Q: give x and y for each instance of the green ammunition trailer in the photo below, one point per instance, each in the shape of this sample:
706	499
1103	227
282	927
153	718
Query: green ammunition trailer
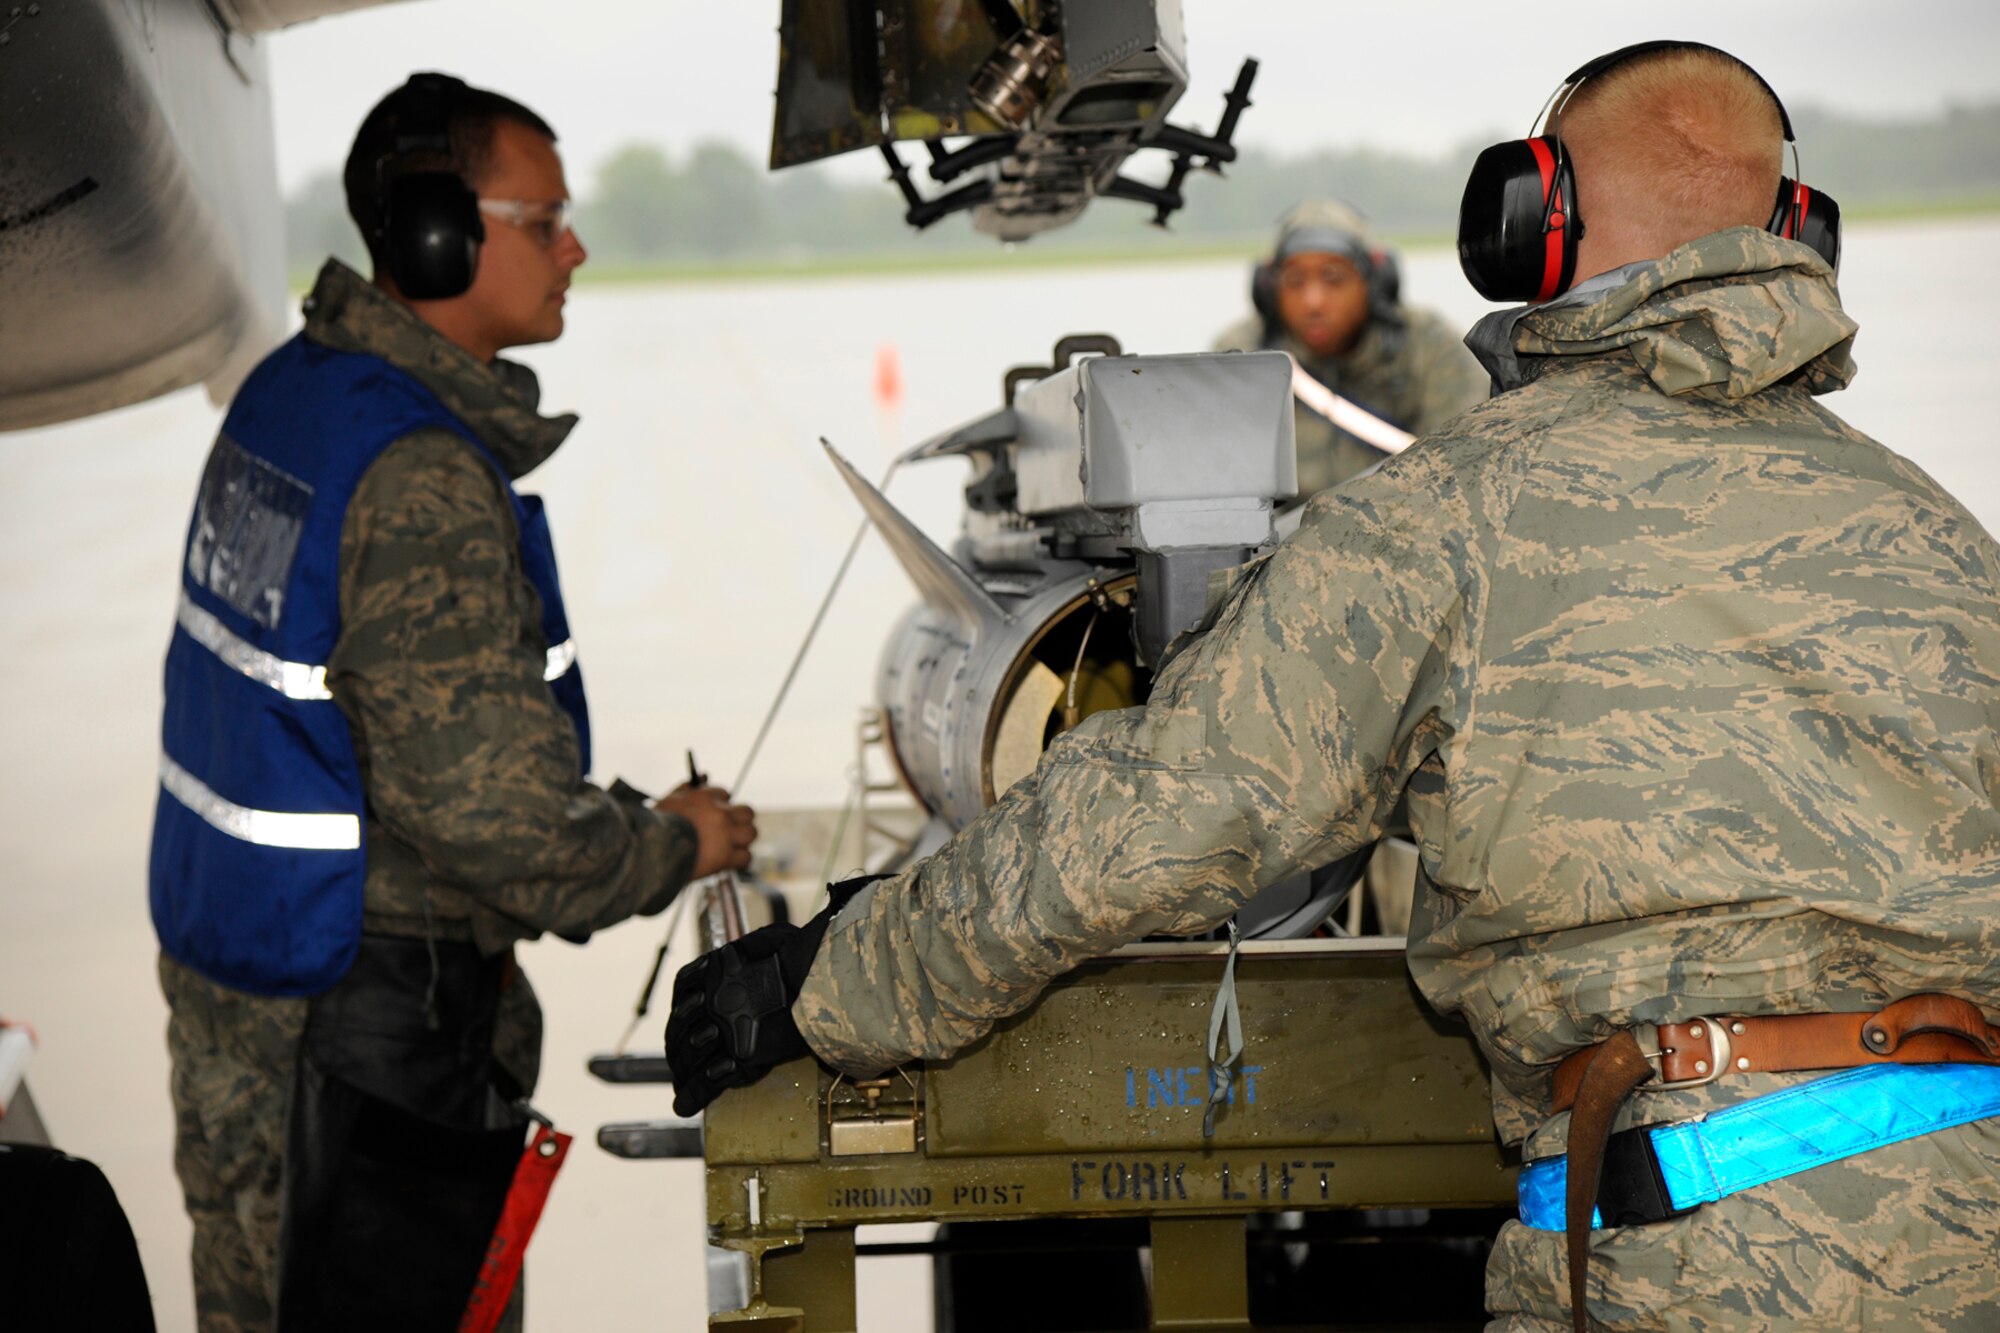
1350	1095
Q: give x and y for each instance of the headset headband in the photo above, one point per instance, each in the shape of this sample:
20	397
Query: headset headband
1591	68
426	125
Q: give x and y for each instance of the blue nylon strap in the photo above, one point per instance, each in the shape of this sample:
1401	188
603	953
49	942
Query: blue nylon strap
1792	1130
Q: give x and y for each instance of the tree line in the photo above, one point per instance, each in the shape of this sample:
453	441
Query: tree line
714	204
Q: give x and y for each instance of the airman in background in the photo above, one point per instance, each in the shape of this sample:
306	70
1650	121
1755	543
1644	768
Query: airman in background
1330	295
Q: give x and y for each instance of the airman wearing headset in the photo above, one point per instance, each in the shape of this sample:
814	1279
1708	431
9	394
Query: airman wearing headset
375	749
1331	295
1692	694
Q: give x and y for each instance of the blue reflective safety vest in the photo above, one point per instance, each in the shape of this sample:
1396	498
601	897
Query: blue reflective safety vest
258	856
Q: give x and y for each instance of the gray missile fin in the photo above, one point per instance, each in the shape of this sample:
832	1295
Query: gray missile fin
940	580
987	433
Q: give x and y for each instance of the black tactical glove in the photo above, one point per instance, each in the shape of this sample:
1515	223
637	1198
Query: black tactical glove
732	1017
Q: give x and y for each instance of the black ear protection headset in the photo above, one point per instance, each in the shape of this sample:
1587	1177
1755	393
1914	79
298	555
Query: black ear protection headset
429	230
1518	225
1378	265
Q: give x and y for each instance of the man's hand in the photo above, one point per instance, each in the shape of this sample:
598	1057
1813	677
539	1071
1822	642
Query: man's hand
724	831
732	1017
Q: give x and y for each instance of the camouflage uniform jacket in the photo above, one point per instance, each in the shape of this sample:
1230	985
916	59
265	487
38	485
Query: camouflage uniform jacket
1418	378
480	824
1693	689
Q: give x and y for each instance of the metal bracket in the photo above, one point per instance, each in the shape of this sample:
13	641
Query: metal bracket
643	1139
1067	349
875	1129
1187	145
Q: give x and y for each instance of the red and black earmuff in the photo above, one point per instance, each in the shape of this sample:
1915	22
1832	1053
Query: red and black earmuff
1808	216
1518	224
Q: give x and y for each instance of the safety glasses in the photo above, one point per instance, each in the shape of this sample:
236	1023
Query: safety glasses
545	221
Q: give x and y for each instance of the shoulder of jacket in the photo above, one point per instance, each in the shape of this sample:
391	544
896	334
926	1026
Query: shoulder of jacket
436	470
1523	413
1568	413
1245	335
1423	320
1493	445
1431	334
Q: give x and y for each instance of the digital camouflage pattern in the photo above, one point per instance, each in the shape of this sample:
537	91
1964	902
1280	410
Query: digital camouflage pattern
480	824
1693	691
233	1057
1418	377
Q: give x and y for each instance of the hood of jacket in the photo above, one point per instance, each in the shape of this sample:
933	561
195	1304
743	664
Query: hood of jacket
1729	314
498	400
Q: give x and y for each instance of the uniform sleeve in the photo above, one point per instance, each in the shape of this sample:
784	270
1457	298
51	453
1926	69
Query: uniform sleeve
1451	377
1275	742
466	757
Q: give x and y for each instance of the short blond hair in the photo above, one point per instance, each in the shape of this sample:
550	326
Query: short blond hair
1674	144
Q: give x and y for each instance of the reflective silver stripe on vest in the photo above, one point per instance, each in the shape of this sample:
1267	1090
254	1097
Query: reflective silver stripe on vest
561	658
294	680
266	828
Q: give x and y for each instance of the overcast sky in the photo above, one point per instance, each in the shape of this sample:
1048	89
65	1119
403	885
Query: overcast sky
1409	74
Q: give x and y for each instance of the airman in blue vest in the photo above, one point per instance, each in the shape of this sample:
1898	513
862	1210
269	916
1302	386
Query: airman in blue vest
375	748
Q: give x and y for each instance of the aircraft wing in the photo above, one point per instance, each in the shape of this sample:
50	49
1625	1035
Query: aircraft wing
141	230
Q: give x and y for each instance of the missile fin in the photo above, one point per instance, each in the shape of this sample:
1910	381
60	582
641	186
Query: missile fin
940	580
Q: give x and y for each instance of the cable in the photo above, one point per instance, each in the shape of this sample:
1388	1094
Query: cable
791	674
847	808
1070	718
812	631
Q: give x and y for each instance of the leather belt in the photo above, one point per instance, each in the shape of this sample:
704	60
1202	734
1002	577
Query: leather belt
1594	1082
1921	1030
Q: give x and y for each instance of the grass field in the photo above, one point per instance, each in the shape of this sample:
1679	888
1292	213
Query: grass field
1053	253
